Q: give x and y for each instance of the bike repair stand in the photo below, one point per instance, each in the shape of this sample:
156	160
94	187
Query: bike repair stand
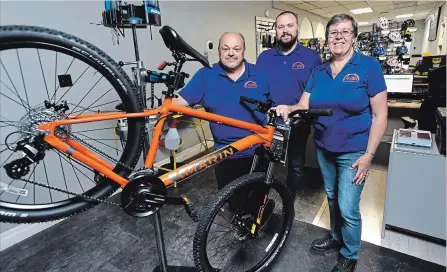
163	267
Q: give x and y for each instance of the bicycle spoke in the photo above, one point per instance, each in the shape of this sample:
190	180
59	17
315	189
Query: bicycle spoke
114	148
63	173
77	177
64	74
34	169
86	94
73	84
43	75
11	99
34	189
90	169
95	129
16	92
23	79
55	77
94	102
48	181
115	101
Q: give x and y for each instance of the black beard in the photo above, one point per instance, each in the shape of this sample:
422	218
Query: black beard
286	45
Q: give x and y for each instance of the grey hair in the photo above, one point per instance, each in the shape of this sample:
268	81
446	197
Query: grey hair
339	18
238	33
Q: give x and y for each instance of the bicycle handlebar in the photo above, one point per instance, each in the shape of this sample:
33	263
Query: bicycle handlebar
261	106
313	112
265	106
248	100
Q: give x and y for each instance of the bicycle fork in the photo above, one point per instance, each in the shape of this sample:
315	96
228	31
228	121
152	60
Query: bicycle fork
261	202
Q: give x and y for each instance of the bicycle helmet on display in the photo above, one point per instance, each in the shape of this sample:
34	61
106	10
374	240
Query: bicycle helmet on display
382	23
410	23
395	36
392	62
379	50
401	50
406	35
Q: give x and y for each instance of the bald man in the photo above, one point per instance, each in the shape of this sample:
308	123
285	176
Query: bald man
218	90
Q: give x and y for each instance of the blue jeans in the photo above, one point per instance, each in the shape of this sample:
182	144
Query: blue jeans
343	198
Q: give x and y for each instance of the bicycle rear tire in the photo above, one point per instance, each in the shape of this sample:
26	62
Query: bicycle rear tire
18	36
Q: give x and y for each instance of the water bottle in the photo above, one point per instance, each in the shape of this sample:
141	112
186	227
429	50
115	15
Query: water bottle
122	129
172	139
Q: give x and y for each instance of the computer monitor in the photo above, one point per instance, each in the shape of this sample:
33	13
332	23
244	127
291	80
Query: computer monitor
399	83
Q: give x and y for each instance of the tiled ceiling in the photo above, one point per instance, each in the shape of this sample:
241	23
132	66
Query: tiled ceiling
388	9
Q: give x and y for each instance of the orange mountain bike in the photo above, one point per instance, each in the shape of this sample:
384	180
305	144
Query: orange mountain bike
60	154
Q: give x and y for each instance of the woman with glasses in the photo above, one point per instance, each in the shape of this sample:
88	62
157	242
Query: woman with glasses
353	86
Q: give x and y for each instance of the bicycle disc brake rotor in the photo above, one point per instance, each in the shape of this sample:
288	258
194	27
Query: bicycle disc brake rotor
143	195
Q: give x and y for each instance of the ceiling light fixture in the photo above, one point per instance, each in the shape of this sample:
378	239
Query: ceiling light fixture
361	10
363	23
404	16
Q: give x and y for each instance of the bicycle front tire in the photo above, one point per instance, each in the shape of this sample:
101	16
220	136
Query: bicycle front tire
201	258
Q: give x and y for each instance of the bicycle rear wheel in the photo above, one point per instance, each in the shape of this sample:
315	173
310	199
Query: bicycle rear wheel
224	240
39	64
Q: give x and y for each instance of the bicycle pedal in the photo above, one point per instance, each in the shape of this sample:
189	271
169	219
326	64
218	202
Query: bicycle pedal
190	209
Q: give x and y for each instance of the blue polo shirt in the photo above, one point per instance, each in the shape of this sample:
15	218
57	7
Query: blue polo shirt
219	94
288	74
348	95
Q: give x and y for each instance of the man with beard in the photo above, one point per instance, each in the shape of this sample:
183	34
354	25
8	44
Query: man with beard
287	68
219	90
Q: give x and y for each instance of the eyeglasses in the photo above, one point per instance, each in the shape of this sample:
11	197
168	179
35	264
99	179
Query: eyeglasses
344	33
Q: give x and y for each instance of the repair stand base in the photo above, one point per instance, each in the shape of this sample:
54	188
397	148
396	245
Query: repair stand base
176	269
163	267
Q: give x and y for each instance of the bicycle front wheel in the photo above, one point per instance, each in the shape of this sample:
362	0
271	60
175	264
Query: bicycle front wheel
41	72
226	239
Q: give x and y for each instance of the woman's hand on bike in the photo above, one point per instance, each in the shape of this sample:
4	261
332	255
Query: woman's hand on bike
284	111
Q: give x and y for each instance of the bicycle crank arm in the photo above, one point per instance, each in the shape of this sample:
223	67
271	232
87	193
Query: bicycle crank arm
169	200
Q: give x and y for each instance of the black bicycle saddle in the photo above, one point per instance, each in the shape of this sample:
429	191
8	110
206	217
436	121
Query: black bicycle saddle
175	43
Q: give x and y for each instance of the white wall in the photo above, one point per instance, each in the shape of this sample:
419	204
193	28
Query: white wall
314	19
432	46
418	37
196	22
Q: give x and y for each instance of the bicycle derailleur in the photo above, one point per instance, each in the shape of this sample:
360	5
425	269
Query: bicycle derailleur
145	194
33	145
33	151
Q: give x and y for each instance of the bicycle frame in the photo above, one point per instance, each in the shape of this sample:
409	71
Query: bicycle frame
262	135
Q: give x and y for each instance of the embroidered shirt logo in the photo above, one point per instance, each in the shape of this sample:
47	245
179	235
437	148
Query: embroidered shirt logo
250	84
298	65
351	78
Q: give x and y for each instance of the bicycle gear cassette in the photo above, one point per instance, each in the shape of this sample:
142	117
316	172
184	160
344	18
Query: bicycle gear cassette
143	195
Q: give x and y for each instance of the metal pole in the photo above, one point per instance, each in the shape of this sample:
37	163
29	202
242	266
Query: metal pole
160	242
140	87
135	42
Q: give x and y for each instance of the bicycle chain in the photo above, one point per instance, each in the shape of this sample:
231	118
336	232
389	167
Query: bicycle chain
71	193
80	195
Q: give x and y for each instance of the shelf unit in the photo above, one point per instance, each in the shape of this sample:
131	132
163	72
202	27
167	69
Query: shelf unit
265	34
381	37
